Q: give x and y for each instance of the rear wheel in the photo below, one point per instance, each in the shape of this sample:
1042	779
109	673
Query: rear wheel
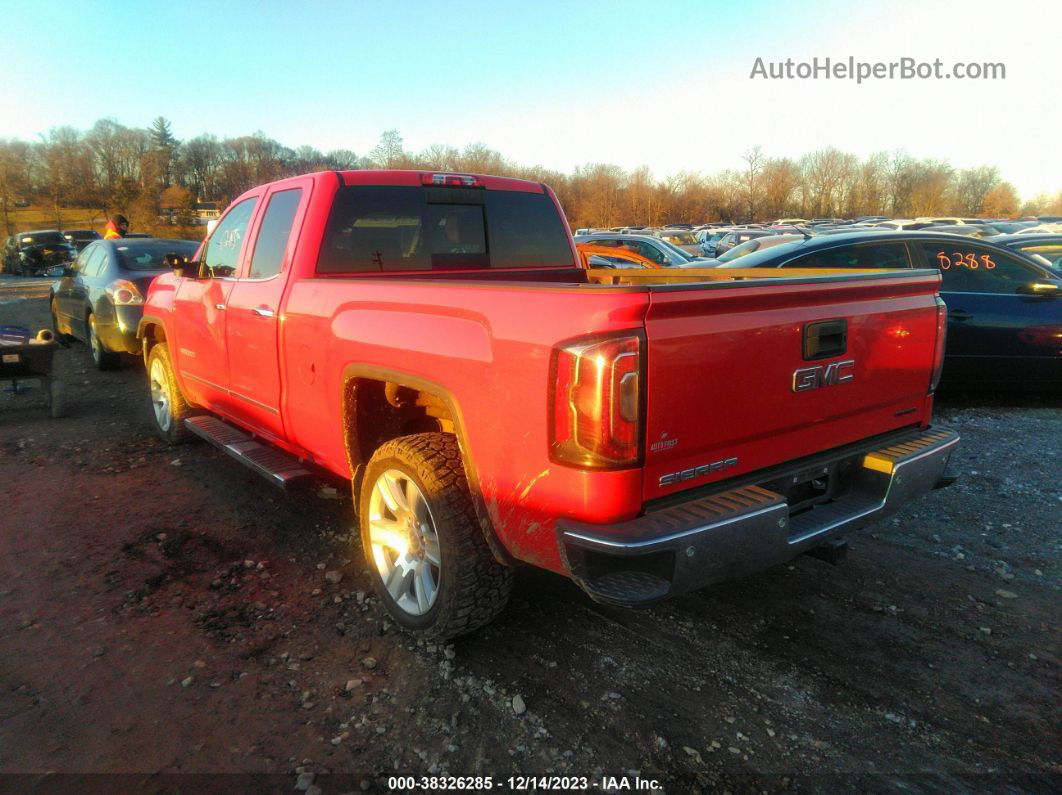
427	556
101	357
167	403
59	335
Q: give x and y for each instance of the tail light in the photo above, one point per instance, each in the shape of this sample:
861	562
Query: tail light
596	411
455	180
942	337
124	293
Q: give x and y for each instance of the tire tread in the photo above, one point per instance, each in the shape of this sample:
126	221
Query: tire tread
482	585
179	407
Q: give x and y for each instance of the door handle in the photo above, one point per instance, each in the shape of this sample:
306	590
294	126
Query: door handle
959	314
219	306
263	311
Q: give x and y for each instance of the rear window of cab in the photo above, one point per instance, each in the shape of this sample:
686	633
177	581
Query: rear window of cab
390	229
151	256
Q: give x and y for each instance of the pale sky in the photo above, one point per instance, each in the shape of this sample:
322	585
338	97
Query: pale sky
560	84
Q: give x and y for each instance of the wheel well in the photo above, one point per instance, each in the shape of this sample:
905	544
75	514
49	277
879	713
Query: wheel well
150	335
376	411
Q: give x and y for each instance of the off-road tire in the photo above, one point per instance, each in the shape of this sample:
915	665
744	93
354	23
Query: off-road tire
473	587
178	408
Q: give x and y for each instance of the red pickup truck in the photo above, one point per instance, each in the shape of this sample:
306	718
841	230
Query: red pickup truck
432	339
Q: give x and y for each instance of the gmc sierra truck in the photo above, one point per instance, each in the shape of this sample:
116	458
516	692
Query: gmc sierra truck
433	339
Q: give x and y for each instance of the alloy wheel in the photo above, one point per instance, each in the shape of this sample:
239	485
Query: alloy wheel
160	395
94	341
405	543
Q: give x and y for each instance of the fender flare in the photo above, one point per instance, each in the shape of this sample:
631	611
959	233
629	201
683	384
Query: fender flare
421	384
141	328
148	320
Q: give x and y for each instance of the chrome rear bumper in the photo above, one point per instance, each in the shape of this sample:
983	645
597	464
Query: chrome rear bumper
746	529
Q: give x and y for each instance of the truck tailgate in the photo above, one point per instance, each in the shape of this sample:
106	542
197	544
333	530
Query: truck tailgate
747	375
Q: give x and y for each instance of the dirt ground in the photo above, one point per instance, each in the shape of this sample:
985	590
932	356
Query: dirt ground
165	611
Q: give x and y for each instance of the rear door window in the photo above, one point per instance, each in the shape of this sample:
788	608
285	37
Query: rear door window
870	255
150	255
650	252
95	262
273	234
972	269
386	229
82	260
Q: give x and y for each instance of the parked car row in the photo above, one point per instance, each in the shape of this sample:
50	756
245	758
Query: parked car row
1003	291
657	250
715	239
1004	309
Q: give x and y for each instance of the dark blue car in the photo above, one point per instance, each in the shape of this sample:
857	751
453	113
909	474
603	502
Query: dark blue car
1004	310
100	298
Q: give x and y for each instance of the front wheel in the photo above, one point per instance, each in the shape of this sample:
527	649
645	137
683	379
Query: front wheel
427	556
167	403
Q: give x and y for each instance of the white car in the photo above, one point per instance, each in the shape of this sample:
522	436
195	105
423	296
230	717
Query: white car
946	219
905	224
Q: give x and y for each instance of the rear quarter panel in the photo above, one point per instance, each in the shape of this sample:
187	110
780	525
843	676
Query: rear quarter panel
488	348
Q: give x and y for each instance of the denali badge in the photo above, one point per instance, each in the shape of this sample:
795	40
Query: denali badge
696	472
818	377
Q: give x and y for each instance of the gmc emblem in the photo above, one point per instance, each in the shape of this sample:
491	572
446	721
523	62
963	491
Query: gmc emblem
823	375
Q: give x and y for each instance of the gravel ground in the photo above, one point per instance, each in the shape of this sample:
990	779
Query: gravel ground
164	611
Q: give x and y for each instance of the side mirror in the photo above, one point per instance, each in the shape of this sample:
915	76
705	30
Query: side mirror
183	268
176	263
597	261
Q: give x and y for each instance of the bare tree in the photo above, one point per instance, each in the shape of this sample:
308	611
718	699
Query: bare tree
828	177
597	194
1000	202
754	161
478	158
201	157
14	178
112	166
388	153
66	173
779	181
344	160
932	188
973	187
